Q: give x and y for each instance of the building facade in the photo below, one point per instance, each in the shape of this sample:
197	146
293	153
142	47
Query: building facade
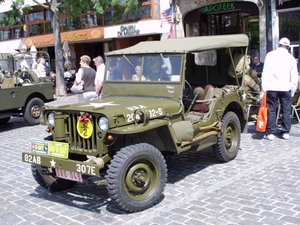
264	21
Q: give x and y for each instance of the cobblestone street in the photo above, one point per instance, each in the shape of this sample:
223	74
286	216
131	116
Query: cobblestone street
261	186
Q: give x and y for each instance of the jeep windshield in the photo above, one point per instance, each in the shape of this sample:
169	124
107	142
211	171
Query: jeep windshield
157	68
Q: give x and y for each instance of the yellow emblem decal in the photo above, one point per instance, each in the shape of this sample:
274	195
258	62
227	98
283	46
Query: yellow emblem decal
84	126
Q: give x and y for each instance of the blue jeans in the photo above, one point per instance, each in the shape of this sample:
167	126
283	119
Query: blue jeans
285	100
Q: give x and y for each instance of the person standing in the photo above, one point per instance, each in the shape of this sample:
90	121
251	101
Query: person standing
279	80
41	69
99	63
257	66
87	75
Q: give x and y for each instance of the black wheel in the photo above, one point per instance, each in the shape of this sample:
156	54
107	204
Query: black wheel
4	120
45	177
136	177
229	138
32	111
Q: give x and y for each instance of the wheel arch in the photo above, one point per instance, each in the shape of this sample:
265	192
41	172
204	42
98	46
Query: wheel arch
239	111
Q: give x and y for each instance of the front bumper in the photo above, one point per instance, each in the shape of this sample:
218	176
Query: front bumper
86	168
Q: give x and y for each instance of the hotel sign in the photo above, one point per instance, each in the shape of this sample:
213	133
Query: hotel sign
129	30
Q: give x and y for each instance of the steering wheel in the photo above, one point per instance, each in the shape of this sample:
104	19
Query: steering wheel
188	90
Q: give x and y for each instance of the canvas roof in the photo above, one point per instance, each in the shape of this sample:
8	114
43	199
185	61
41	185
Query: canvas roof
186	44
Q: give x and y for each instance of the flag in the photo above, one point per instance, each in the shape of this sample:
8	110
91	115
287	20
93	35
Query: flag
172	32
167	15
20	8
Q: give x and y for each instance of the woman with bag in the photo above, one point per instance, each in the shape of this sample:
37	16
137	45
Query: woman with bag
86	75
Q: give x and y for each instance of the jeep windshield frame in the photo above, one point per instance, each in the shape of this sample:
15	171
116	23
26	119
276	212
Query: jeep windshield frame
157	74
156	68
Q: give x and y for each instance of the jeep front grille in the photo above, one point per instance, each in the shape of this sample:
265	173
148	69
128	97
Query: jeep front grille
77	143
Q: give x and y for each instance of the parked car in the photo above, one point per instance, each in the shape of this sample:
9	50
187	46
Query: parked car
24	95
186	94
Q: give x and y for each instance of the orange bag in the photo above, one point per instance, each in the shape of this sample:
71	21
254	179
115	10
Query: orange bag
261	123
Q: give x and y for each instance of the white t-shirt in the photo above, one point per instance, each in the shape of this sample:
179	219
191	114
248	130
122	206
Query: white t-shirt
41	70
100	73
67	74
280	72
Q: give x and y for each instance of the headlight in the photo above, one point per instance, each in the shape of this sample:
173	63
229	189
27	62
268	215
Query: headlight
103	123
50	118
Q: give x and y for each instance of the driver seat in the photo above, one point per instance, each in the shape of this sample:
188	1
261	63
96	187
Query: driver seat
201	106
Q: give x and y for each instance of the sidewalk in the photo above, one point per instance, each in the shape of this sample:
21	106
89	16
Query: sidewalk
70	98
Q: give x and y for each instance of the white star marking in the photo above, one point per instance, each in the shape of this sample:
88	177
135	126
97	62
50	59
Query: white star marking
53	163
99	104
244	95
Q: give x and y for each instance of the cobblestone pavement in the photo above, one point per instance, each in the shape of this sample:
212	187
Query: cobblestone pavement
261	186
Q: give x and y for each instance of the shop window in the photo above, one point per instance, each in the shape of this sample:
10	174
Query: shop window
143	12
89	20
289	25
70	24
49	15
48	28
18	32
36	29
35	16
5	35
108	18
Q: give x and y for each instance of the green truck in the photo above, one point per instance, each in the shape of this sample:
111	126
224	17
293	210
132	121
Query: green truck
24	95
188	95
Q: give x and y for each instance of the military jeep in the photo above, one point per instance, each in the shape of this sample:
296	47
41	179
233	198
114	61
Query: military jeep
24	95
186	94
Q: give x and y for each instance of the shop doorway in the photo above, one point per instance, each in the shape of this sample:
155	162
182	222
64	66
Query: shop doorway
226	18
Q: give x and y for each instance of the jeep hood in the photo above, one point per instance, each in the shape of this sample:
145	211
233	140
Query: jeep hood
120	110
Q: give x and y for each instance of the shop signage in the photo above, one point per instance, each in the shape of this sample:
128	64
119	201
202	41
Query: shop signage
219	7
70	36
129	30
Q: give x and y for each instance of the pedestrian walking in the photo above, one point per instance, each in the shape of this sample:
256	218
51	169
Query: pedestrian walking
279	80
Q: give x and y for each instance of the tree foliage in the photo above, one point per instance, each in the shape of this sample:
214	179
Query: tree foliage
14	16
71	8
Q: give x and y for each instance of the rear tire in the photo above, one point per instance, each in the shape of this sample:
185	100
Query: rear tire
136	177
229	138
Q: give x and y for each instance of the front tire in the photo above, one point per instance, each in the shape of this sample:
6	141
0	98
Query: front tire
136	177
32	111
229	138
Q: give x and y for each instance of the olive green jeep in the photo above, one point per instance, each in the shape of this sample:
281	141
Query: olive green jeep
24	95
159	98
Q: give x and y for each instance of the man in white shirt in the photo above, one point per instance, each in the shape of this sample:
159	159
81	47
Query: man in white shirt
279	80
41	69
99	63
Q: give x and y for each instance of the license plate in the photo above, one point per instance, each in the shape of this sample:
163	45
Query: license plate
52	148
58	149
68	175
40	147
